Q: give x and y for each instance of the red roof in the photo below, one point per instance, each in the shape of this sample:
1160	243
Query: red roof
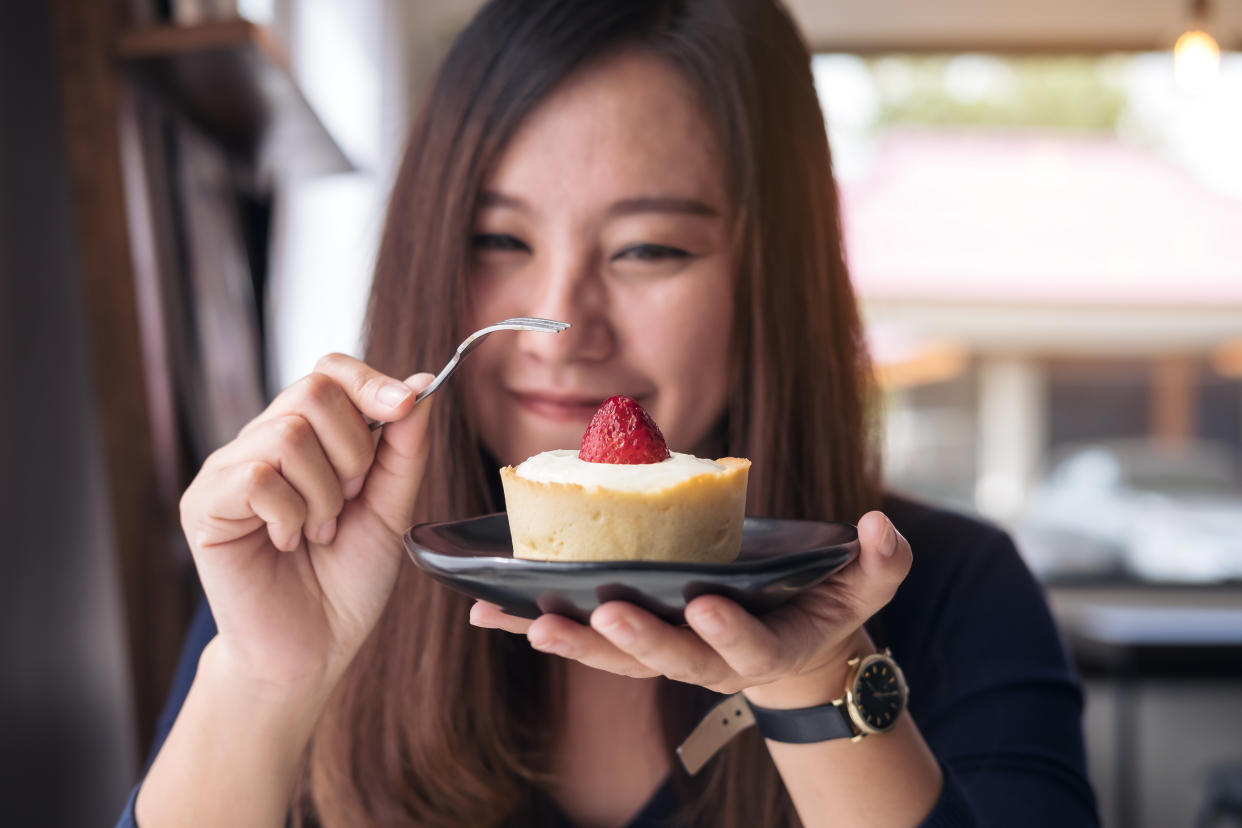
1053	218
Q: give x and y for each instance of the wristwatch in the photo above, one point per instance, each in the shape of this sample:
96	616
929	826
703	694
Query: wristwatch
875	696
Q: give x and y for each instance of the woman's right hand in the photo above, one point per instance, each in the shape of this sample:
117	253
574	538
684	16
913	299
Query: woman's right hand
296	525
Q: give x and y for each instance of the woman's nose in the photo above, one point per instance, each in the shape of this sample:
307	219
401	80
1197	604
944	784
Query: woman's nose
571	292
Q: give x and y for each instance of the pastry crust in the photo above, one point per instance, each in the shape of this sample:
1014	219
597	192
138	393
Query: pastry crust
698	519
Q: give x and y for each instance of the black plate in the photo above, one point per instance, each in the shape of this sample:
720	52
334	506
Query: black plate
779	558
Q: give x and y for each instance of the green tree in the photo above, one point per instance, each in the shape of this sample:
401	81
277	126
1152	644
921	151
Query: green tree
1081	93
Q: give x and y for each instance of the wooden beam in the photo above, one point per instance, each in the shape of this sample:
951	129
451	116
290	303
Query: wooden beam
1088	47
1174	398
233	81
143	522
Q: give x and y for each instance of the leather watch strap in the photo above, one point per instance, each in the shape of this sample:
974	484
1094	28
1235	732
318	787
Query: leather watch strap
734	714
804	725
726	720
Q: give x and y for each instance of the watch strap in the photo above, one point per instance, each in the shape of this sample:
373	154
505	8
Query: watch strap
727	719
806	724
734	714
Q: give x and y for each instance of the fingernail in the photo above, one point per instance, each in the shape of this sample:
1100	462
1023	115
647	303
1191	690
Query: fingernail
619	632
553	646
393	394
709	622
326	532
354	487
890	539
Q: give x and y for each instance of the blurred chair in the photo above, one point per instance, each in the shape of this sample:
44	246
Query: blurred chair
1222	804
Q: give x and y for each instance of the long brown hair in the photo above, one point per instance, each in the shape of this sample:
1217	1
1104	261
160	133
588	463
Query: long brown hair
438	723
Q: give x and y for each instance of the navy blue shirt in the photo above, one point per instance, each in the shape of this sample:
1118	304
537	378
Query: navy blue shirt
991	688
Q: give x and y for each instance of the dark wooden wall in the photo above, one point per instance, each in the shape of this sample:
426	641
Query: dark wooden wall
68	746
144	524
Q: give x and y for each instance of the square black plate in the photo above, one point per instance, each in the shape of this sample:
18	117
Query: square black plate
778	559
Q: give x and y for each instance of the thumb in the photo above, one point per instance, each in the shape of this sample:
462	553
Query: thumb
400	458
883	562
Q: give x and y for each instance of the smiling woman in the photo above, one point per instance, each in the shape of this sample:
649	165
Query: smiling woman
629	238
656	173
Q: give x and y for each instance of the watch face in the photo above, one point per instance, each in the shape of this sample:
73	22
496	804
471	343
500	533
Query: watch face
878	695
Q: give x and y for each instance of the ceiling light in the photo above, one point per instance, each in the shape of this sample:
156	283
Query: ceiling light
1196	55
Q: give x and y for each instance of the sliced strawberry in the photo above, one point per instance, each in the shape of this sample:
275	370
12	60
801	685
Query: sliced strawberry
622	432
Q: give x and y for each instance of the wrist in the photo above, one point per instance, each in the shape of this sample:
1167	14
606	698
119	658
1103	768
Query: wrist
234	751
292	705
821	685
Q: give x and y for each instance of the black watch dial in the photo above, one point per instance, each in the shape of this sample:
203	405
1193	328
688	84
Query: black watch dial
878	696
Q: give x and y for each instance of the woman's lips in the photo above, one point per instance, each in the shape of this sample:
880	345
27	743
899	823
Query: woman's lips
559	407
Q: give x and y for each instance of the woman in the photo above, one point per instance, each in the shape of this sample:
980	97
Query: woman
657	174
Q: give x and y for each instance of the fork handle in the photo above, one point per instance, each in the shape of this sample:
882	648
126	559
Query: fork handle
472	341
426	392
375	425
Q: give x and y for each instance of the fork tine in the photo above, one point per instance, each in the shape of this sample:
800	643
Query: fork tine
520	323
536	323
536	320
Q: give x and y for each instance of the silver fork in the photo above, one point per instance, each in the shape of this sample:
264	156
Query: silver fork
520	323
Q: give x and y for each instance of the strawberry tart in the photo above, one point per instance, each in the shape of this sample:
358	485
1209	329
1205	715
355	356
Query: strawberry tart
625	496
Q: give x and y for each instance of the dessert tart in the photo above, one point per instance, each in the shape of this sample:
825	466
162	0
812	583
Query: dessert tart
624	496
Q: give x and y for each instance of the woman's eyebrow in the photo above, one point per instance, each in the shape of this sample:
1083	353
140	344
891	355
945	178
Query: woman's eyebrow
495	198
662	204
624	207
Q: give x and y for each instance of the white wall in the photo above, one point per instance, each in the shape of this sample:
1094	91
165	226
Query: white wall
364	65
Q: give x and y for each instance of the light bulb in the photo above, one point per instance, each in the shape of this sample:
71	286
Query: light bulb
1196	62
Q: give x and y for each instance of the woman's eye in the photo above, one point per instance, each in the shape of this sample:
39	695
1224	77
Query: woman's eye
497	241
652	253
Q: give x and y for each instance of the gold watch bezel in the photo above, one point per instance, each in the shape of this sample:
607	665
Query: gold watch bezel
857	665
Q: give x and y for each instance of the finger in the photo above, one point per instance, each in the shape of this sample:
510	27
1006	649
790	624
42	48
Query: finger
256	494
375	394
558	635
342	431
395	476
289	444
671	651
488	615
883	562
747	645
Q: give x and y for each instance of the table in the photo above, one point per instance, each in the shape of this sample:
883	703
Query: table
1130	631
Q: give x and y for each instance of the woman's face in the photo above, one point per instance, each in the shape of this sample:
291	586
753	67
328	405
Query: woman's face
607	210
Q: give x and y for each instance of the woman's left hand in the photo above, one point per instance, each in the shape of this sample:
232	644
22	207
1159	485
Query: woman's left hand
793	656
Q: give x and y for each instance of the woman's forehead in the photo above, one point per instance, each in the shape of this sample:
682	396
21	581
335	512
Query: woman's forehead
628	125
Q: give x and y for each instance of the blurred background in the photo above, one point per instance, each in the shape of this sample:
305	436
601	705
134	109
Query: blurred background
1043	206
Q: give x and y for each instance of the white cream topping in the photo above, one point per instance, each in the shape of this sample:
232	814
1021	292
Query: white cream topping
564	466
